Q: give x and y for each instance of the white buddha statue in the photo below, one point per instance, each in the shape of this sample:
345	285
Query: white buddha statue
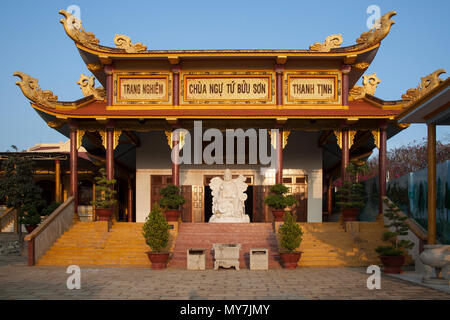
228	198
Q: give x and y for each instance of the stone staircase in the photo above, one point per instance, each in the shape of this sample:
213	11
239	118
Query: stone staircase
204	235
88	244
323	245
328	245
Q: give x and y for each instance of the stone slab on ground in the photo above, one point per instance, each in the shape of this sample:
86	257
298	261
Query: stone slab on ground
416	277
18	281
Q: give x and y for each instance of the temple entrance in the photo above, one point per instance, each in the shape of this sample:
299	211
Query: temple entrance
248	203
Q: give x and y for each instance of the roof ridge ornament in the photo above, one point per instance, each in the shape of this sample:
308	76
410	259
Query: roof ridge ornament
123	42
74	29
381	28
427	84
87	86
370	83
32	91
331	42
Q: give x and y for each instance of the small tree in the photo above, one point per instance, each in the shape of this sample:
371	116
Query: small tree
400	229
104	191
290	233
278	199
156	229
351	194
171	197
18	189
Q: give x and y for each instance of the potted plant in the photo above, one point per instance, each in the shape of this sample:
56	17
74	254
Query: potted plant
393	256
104	196
351	194
278	200
156	234
171	201
30	217
290	238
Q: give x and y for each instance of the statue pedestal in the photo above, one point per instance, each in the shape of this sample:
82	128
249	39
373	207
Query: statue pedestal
216	219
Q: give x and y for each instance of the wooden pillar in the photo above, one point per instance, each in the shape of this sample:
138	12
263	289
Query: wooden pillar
382	168
57	180
279	83
130	199
109	152
109	85
74	168
176	84
345	153
431	183
279	144
175	159
330	195
345	84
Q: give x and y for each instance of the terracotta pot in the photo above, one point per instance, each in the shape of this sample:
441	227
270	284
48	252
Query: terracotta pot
350	214
278	215
103	214
290	259
158	259
30	228
172	214
392	264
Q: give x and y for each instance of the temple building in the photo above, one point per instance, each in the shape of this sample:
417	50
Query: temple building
304	109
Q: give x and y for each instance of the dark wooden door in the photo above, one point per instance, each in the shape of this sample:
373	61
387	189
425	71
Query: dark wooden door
260	209
186	208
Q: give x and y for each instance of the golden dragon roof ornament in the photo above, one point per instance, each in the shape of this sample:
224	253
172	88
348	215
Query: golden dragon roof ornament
427	84
370	83
333	41
123	42
74	29
379	31
32	91
87	86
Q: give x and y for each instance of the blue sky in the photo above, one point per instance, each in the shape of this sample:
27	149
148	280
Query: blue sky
33	41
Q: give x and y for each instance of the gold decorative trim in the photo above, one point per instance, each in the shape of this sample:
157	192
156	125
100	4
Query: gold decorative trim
123	42
351	137
87	86
32	91
80	135
286	134
103	136
376	137
331	42
169	134
361	65
116	137
55	124
381	28
427	84
73	27
94	67
370	84
273	138
338	135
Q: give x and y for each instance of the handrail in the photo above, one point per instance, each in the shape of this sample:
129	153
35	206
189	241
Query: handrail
412	224
49	219
6	217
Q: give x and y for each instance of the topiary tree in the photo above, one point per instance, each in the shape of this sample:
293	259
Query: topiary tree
104	191
400	229
290	233
278	199
352	193
156	229
171	197
18	189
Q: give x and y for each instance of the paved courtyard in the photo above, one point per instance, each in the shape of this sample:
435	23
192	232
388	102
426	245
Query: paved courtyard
18	281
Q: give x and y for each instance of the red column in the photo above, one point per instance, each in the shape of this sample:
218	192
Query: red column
382	168
279	144
176	84
345	153
330	195
175	162
130	199
110	152
279	82
74	167
345	86
109	85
